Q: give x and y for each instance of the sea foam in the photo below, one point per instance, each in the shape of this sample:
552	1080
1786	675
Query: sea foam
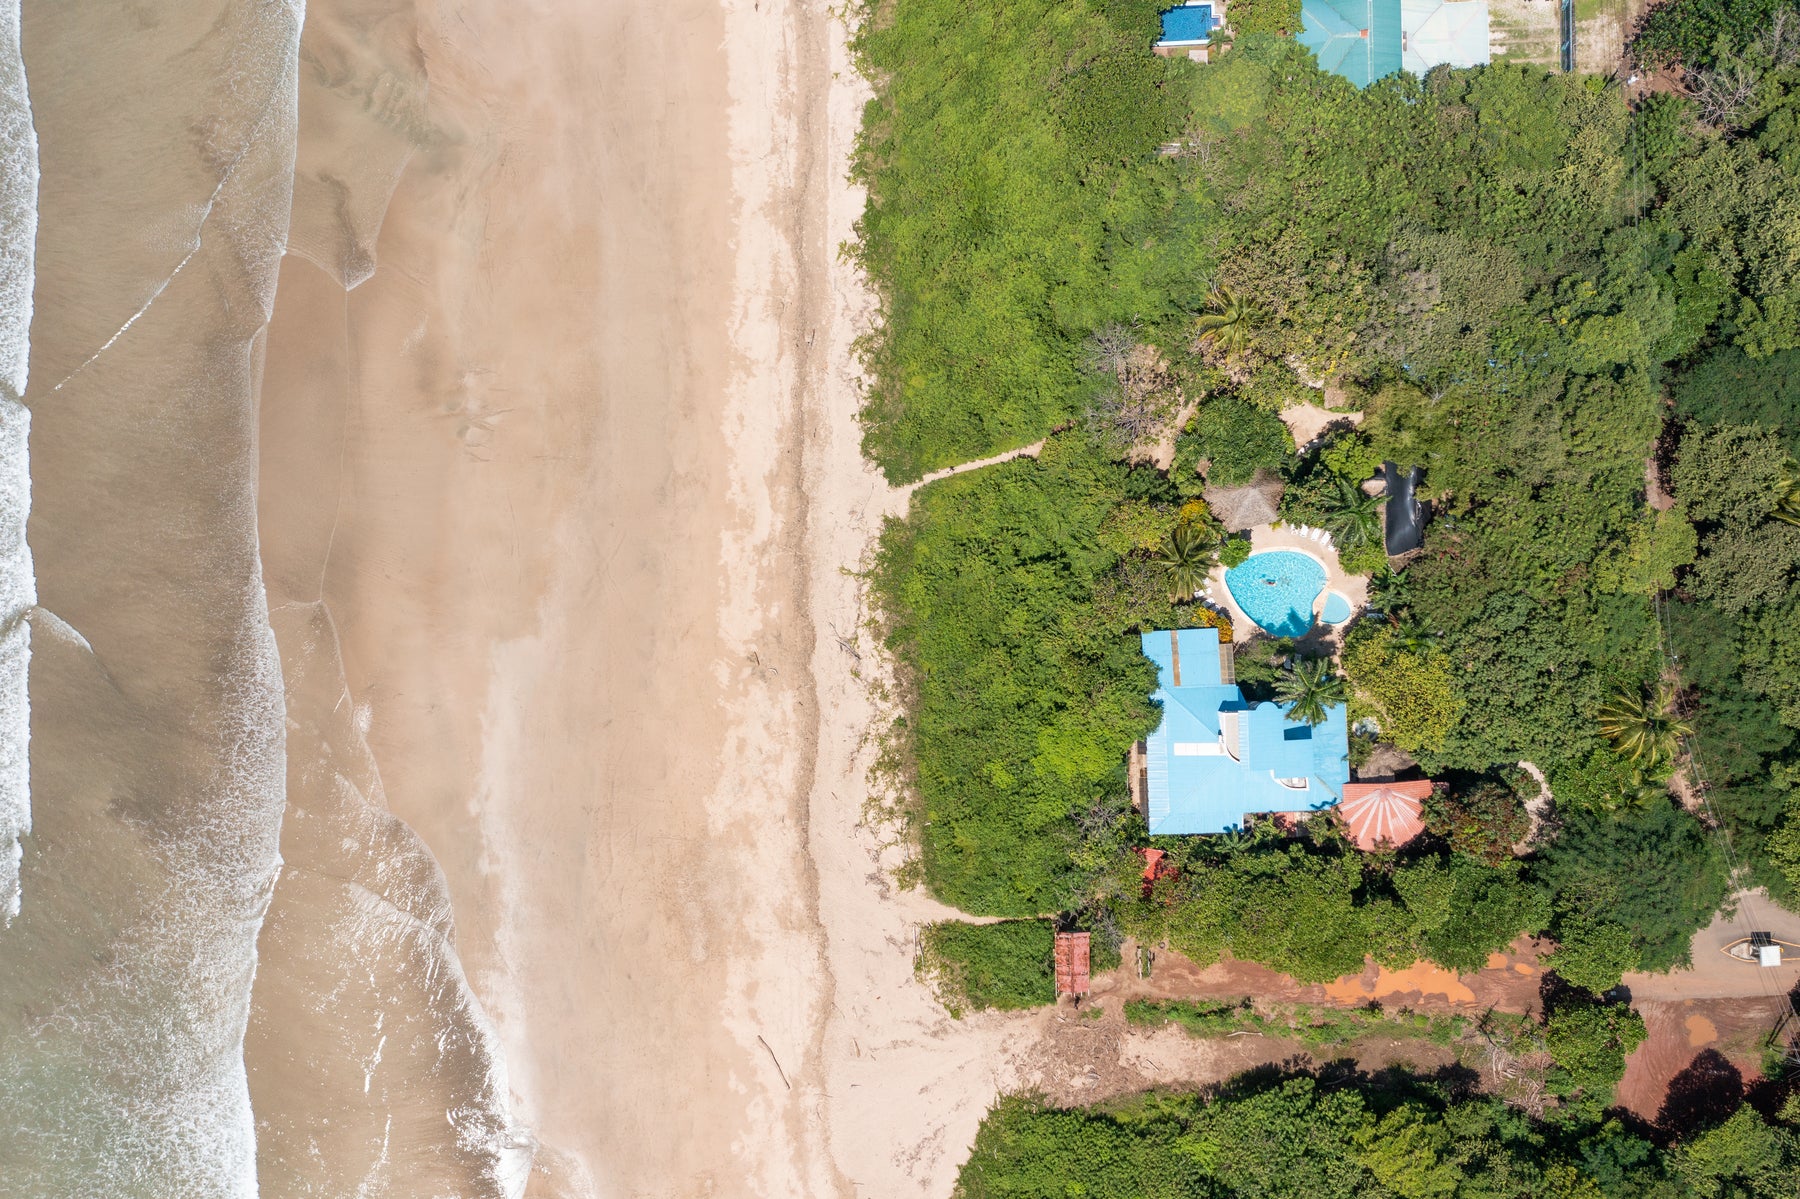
18	590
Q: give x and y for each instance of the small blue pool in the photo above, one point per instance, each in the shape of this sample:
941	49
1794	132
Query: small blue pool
1337	608
1277	589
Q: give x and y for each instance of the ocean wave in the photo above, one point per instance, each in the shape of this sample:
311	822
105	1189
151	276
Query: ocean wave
18	589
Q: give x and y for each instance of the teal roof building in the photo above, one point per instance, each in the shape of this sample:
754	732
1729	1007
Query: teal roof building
1216	757
1366	40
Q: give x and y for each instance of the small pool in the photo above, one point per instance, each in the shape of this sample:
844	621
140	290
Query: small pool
1277	589
1337	608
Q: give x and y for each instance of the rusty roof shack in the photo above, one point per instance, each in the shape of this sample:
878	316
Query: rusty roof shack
1072	964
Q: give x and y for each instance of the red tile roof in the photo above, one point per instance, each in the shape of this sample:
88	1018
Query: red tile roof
1380	813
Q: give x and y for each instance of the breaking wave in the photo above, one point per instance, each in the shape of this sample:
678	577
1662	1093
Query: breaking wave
18	591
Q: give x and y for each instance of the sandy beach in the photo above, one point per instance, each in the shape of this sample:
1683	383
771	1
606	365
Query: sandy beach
574	475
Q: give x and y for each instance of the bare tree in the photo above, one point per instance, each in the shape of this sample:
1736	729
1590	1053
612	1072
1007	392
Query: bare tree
1139	398
1780	42
1724	92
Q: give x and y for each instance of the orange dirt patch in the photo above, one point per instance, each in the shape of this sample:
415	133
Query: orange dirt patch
1421	977
1509	983
1699	1056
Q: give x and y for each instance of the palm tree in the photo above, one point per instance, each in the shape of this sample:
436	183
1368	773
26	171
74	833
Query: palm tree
1229	320
1185	558
1355	517
1787	495
1412	633
1637	790
1645	732
1388	592
1311	688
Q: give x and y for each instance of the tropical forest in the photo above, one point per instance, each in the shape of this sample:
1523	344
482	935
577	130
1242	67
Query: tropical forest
1574	302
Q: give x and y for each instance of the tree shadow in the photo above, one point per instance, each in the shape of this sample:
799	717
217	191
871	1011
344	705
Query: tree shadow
1703	1095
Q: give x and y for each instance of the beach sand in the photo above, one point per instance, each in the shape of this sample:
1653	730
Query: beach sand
574	477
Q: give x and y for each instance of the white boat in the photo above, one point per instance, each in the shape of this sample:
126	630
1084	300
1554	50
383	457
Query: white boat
1764	949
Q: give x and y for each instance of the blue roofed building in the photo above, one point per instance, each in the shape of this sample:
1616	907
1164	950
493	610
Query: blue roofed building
1188	29
1216	757
1366	40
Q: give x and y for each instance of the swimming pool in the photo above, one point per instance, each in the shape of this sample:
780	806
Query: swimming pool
1276	589
1337	608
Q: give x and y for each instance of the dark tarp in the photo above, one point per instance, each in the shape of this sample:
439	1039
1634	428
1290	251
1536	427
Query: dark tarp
1406	516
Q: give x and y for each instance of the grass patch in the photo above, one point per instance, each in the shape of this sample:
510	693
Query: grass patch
1313	1026
980	967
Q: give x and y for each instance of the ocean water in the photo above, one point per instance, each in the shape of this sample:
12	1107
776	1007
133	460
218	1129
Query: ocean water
225	970
18	589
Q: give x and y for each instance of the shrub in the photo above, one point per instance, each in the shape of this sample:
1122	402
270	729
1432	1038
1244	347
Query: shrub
1363	559
1483	912
1590	1042
1279	17
1484	820
1237	439
1312	1025
1011	622
1661	875
975	967
1010	156
1234	552
1413	692
1276	1136
1310	912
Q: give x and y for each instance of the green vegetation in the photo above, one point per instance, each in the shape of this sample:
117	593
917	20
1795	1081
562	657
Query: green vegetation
1644	731
974	967
1589	1043
1011	213
1580	1046
1653	872
1265	16
1506	271
1484	819
1310	685
1688	32
1728	387
1316	1027
1274	1137
1411	692
1315	908
1236	438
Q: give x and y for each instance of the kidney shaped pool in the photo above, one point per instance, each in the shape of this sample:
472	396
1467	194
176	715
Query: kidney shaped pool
1277	589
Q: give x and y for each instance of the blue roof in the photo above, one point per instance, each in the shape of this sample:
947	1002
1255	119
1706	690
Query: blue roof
1358	39
1364	40
1188	23
1216	758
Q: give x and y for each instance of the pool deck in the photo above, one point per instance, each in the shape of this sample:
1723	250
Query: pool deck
1354	588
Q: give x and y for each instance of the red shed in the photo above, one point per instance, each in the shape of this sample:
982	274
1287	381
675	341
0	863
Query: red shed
1071	964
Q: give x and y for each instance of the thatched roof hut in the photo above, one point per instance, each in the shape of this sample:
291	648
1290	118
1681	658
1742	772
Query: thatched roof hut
1257	502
